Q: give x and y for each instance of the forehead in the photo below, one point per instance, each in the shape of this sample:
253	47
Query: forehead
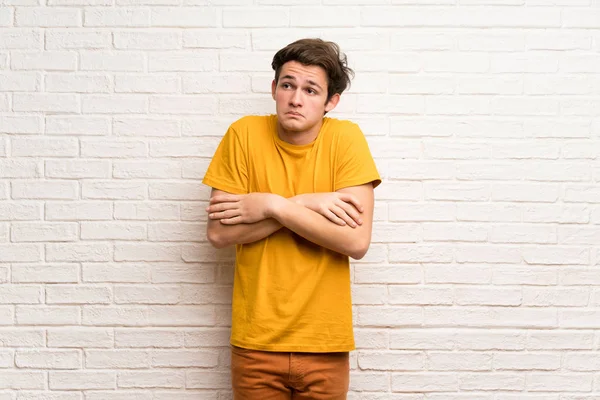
304	72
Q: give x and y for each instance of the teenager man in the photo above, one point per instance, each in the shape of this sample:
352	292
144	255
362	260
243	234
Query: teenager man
294	192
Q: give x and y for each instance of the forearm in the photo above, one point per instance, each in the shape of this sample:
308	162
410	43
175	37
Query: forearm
221	235
314	227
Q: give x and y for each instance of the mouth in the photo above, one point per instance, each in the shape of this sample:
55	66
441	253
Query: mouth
293	114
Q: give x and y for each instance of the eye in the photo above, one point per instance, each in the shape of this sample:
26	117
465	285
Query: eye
311	91
286	85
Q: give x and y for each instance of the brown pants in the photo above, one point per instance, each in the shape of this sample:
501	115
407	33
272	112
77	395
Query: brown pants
262	375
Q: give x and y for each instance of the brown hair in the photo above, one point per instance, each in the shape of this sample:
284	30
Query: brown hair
326	55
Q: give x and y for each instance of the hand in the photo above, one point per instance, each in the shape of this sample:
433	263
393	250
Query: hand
339	208
233	209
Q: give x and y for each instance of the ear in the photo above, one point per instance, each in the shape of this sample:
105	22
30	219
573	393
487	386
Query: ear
333	101
273	86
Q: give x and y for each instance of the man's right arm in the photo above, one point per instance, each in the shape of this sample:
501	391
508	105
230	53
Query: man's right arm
221	235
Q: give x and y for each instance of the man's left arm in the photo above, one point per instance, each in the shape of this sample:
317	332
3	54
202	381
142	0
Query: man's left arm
353	242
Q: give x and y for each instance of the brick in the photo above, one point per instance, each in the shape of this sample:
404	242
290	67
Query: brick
185	17
78	252
110	315
147	169
77	169
20	82
20	253
391	361
208	380
148	338
197	273
113	231
47	315
20	294
47	273
22	337
48	359
457	361
20	211
150	127
189	104
146	84
215	83
148	294
119	272
490	317
410	382
147	252
77	125
527	361
180	315
26	125
81	210
492	381
43	102
19	168
151	379
21	39
47	17
80	83
44	232
559	383
123	61
78	337
154	211
23	380
114	190
44	60
183	62
184	359
77	39
139	40
215	39
255	17
418	295
81	380
78	294
102	17
177	191
117	359
117	104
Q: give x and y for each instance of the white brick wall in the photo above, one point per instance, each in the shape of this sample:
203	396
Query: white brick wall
483	279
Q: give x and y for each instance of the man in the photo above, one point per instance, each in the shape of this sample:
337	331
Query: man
294	192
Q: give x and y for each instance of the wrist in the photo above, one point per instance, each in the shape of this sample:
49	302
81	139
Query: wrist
274	205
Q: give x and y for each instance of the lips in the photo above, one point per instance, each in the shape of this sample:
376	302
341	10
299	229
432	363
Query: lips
294	114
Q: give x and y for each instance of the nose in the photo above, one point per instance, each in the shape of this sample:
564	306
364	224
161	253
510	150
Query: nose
296	98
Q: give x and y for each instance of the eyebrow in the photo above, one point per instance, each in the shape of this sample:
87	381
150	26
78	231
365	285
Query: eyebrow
309	81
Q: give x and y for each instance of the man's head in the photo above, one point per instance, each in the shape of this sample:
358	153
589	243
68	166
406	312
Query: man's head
310	76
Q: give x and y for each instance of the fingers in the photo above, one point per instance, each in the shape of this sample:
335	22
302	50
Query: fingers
350	198
221	198
350	213
224	214
341	213
333	218
217	207
232	221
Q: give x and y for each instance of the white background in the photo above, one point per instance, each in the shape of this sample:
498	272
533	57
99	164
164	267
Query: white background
483	279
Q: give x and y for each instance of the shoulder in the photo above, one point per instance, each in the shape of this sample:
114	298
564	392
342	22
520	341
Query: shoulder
344	130
250	123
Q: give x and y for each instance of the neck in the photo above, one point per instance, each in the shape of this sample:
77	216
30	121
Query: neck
299	138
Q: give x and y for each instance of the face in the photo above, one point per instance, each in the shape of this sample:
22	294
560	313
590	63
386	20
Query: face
300	97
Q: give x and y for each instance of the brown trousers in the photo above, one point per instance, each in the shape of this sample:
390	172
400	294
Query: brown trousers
262	375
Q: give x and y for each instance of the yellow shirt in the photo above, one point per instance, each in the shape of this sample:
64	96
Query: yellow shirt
290	294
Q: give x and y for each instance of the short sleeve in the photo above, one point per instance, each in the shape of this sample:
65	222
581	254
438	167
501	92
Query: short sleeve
228	169
354	165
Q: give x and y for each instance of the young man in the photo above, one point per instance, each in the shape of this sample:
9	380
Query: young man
294	192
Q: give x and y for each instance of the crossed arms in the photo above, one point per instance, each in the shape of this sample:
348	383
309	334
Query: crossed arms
340	221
